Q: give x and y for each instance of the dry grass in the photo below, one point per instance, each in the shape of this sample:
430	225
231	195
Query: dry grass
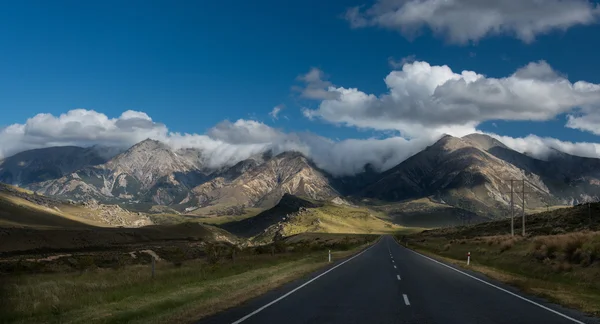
340	219
177	294
563	268
567	294
575	248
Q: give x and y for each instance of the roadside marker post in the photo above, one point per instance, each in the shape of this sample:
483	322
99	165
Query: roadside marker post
153	266
329	256
468	258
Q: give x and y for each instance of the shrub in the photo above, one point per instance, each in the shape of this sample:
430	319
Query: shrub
85	262
279	246
212	253
580	247
506	245
447	247
562	267
177	256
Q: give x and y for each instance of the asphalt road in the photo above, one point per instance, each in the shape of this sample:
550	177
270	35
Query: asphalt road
388	283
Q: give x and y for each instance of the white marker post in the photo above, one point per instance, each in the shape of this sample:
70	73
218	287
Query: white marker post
330	256
468	258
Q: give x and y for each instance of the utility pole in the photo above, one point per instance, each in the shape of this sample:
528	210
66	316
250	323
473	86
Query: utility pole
523	196
590	213
512	211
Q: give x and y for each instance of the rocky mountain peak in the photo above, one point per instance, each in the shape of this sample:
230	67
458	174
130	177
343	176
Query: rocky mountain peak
148	145
482	141
290	155
449	143
148	161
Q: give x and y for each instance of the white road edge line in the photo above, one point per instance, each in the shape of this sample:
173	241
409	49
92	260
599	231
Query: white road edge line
406	300
499	288
398	276
298	288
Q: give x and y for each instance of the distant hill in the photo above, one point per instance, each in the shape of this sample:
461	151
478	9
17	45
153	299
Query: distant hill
258	224
294	215
584	217
22	208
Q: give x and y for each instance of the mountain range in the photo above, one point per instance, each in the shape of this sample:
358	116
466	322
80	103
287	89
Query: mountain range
472	173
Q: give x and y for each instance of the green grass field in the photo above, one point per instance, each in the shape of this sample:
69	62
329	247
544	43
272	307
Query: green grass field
177	294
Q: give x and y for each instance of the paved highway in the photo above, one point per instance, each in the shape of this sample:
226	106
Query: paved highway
388	283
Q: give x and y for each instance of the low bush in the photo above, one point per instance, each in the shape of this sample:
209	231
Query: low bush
574	248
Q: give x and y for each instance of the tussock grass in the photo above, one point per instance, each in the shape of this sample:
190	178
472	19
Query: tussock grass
576	248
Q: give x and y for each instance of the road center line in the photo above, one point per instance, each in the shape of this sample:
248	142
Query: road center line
299	287
499	288
406	300
398	276
394	267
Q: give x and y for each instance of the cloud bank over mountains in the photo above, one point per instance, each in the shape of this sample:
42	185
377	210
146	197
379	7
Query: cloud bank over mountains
423	102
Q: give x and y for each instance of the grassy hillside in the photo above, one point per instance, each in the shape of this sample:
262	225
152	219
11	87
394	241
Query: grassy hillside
294	215
18	212
558	221
331	218
425	212
559	259
211	216
23	208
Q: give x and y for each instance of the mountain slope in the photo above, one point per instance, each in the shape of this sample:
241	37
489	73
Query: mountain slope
258	224
21	208
263	184
147	172
474	173
294	215
50	163
461	173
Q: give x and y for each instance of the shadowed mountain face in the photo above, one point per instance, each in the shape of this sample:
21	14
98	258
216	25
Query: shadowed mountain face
50	163
471	173
255	225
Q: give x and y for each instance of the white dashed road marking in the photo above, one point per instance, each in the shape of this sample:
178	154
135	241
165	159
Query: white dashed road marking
398	276
406	300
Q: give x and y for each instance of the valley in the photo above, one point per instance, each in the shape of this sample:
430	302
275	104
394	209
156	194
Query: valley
125	212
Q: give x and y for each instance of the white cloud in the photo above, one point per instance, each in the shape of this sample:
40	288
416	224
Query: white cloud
461	21
276	110
541	147
435	98
225	144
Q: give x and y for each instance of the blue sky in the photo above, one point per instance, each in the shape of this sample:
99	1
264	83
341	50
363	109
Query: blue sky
193	64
